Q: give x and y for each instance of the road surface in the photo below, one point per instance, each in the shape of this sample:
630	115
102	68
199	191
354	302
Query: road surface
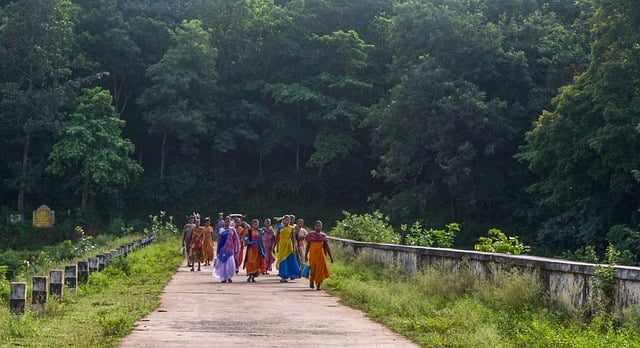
196	310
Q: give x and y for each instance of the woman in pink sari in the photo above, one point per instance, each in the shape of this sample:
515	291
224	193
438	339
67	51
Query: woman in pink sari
228	253
268	240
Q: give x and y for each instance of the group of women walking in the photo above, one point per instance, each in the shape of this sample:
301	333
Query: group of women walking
295	251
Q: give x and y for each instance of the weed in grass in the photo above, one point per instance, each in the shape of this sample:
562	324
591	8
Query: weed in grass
114	325
15	326
510	289
447	286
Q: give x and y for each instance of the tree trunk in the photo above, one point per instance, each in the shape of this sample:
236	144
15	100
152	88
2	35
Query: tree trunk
298	141
85	194
23	173
162	153
454	210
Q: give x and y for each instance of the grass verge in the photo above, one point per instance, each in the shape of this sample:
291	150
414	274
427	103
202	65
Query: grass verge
437	309
104	310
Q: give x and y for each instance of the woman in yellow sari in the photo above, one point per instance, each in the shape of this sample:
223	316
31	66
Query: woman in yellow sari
207	245
317	249
288	265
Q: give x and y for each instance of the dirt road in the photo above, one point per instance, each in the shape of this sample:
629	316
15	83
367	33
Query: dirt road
197	310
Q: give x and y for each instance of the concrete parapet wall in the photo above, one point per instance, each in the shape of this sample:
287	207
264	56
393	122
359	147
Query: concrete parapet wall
568	282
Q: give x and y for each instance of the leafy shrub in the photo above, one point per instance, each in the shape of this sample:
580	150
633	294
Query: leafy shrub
498	242
162	226
373	228
119	265
5	286
118	227
34	262
10	259
604	283
417	235
582	254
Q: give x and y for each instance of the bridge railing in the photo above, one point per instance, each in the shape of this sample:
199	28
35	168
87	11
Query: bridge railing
568	282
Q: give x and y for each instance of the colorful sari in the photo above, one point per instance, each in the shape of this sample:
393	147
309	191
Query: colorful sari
208	243
196	244
301	236
268	240
319	269
254	261
186	235
288	265
241	235
228	254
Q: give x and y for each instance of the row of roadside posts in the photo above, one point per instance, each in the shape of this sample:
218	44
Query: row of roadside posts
70	277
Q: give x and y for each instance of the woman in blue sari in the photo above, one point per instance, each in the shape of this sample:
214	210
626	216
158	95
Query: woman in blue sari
228	253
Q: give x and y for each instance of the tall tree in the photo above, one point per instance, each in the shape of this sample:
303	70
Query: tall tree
585	149
36	41
104	37
181	98
92	154
440	136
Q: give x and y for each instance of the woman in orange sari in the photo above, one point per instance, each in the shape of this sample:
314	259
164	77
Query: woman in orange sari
197	237
317	249
207	245
254	260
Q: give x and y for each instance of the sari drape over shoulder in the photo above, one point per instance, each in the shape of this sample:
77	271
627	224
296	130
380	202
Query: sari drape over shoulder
254	261
241	231
319	269
268	240
288	265
228	254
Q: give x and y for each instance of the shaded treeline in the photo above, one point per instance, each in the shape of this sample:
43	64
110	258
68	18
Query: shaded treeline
417	107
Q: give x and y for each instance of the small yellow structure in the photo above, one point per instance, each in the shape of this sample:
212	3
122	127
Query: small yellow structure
43	217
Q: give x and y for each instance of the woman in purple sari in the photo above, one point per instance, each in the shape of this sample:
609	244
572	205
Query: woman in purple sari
228	253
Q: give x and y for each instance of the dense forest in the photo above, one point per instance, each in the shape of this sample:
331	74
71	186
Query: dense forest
517	114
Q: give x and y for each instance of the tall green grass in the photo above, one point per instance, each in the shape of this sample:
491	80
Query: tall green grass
437	309
102	311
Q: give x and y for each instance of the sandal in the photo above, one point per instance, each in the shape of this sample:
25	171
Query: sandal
283	281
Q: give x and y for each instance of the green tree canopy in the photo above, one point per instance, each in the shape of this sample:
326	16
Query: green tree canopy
92	155
585	149
36	41
181	98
